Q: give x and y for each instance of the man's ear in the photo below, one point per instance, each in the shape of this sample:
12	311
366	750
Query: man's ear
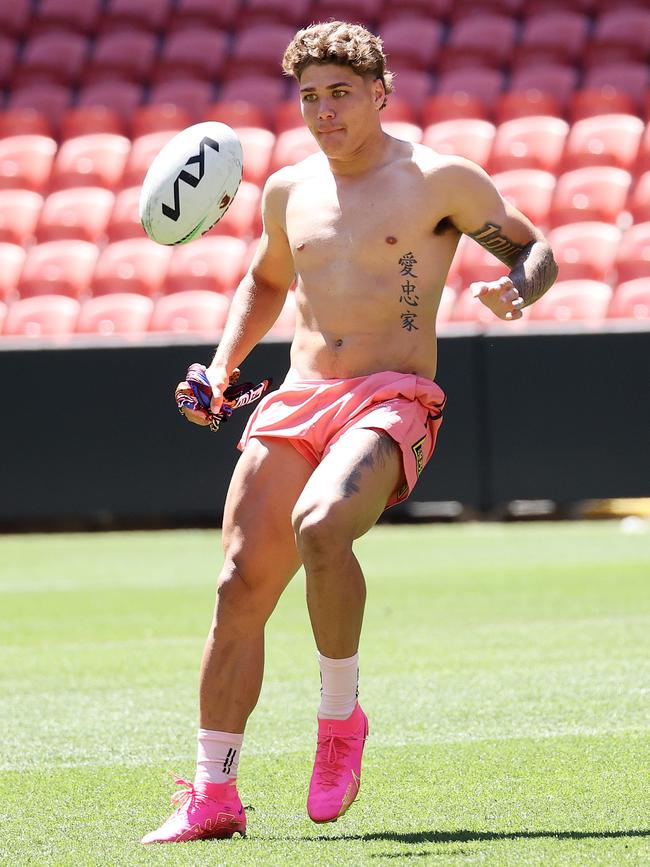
379	93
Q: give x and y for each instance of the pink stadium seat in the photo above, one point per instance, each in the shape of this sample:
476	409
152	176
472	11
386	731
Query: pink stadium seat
529	190
466	138
356	11
292	146
78	212
143	151
432	9
285	325
590	193
585	251
633	254
526	103
213	262
468	309
190	94
397	109
193	53
555	35
122	313
3	314
639	201
481	82
631	300
50	100
450	106
159	118
124	54
58	56
26	162
483	39
237	113
604	140
12	258
68	15
124	221
58	268
466	8
288	115
601	100
447	301
194	312
257	145
621	34
95	160
258	50
555	79
475	263
242	219
643	156
121	96
14	17
628	77
403	130
583	301
19	210
535	142
263	91
25	121
44	316
90	119
537	7
414	85
150	15
206	13
7	59
412	42
134	265
293	12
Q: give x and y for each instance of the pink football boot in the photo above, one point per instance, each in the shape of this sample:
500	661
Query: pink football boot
214	810
336	779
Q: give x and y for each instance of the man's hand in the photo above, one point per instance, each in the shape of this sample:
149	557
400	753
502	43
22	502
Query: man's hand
219	380
501	297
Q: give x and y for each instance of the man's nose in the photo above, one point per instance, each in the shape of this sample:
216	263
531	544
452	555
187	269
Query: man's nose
325	110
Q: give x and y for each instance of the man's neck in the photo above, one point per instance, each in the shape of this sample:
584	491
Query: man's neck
371	154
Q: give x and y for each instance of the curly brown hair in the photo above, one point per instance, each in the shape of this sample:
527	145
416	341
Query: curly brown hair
341	43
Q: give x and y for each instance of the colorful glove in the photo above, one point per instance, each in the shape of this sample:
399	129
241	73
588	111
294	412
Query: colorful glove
235	396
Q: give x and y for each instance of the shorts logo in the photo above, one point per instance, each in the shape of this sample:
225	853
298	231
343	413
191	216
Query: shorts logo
419	455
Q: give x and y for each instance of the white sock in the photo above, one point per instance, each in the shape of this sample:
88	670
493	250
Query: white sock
339	689
217	756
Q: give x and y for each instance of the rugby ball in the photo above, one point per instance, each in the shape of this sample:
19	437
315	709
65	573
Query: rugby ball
191	183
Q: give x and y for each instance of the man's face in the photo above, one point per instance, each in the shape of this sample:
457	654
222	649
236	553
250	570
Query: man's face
339	107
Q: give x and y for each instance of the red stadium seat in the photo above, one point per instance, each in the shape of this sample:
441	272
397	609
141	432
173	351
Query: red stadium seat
285	325
403	130
260	90
52	57
90	161
134	265
555	79
481	82
159	118
143	151
90	119
124	221
44	316
466	8
293	12
631	300
633	254
150	15
602	100
355	11
414	85
78	212
50	100
122	97
66	15
190	94
25	121
397	109
529	143
26	162
591	193
526	103
206	13
14	17
643	156
193	312
3	314
639	201
529	190
628	77
237	113
123	54
213	262
479	40
193	53
466	138
621	34
604	140
585	251
242	219
451	106
584	301
292	146
558	36
432	9
468	309
257	145
258	50
7	59
19	210
58	268
412	42
475	263
288	115
12	258
123	313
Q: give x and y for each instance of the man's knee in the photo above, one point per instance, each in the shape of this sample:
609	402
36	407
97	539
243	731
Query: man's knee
320	532
241	597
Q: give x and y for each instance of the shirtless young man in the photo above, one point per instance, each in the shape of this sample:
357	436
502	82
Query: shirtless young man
368	227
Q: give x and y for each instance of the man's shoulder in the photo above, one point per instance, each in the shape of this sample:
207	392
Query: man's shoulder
292	174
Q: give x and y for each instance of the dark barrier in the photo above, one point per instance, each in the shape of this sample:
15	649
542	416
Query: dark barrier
92	435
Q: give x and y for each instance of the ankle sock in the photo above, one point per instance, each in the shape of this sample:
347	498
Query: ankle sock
217	756
339	686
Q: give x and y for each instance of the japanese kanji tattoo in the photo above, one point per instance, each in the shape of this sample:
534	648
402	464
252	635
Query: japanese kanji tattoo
409	295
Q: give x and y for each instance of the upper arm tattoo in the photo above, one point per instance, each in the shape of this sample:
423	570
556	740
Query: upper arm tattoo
492	238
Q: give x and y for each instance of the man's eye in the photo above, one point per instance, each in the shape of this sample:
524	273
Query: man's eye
309	97
339	92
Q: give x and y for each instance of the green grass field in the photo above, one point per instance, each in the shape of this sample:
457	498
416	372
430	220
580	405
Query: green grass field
505	671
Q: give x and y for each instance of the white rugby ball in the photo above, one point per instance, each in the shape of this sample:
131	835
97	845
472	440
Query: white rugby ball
191	183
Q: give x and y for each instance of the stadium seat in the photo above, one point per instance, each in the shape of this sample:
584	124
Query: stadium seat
468	309
205	13
19	210
556	35
123	313
447	301
264	91
68	15
603	140
160	118
355	11
397	109
525	103
476	263
584	301
631	300
213	262
585	251
480	82
288	115
432	9
52	57
58	268
124	221
451	106
258	50
590	193
126	55
44	316
190	94
26	162
415	85
412	42
7	59
194	312
534	142
120	96
78	212
12	258
285	325
293	12
466	8
643	156
95	160
464	137
143	151
91	119
25	121
237	113
134	265
50	100
628	77
3	314
242	219
639	200
621	34
529	190
483	39
292	146
14	17
151	15
633	254
257	145
403	130
556	79
601	100
193	53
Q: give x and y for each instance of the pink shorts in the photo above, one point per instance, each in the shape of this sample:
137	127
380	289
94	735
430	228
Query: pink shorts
313	414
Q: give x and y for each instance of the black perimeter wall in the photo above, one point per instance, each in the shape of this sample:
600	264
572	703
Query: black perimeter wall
91	436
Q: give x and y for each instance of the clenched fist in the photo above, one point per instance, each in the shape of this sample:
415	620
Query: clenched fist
501	297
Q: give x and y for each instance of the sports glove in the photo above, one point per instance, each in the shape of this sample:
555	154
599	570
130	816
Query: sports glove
236	395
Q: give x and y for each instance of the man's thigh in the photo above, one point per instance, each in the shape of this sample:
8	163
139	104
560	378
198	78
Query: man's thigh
353	483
